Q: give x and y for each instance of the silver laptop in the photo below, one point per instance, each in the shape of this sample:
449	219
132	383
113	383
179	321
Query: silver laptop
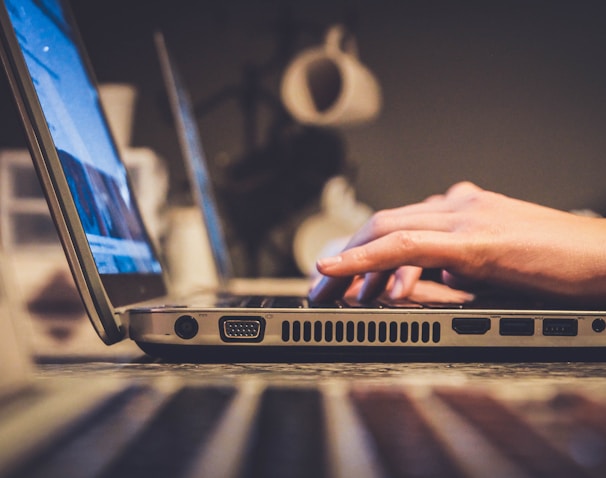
121	279
145	420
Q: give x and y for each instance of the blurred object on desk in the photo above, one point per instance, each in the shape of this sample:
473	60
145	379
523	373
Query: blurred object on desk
25	222
119	101
327	232
188	253
48	297
14	349
58	324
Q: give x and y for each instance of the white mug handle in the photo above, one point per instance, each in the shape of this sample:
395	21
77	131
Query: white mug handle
338	40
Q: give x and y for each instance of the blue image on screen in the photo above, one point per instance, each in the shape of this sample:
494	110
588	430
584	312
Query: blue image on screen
95	174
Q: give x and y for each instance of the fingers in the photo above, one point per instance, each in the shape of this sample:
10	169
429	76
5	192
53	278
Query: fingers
416	235
415	248
436	213
405	279
386	223
459	282
377	259
431	292
399	283
374	284
329	288
421	291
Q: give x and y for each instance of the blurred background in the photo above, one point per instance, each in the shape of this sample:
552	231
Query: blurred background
508	94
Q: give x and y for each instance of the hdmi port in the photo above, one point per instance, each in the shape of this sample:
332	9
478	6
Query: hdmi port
471	325
242	328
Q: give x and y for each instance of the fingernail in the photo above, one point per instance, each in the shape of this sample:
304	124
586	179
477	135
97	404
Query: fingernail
329	261
397	289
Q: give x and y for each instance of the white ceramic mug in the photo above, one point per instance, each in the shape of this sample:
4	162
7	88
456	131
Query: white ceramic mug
328	86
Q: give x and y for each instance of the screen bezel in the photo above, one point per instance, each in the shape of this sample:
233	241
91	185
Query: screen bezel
101	293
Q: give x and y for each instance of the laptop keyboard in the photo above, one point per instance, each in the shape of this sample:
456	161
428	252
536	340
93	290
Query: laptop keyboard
492	301
292	302
331	430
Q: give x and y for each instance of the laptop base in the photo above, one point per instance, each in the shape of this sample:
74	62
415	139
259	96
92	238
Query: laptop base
356	354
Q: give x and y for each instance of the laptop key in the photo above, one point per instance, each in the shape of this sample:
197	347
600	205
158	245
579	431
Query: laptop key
325	305
230	301
399	303
255	301
351	303
285	302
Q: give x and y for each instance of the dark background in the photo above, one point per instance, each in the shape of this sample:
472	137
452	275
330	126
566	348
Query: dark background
509	94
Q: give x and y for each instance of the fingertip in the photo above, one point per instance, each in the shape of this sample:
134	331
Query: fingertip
374	284
401	289
326	263
404	281
397	290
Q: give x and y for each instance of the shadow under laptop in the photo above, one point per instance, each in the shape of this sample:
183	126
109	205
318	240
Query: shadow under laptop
366	354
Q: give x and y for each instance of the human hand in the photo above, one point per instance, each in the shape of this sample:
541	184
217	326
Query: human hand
474	236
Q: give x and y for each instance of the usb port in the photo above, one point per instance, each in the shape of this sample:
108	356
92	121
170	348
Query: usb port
561	327
518	326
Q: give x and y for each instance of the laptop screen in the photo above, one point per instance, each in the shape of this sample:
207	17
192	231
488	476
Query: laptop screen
97	178
194	158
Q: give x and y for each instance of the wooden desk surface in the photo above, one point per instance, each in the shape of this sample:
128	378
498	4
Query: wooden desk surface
350	420
586	374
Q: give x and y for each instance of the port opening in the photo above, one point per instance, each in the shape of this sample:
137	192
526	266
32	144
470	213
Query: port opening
471	325
516	326
186	327
598	325
561	327
242	328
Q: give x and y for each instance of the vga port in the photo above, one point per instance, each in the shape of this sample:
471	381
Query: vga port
242	328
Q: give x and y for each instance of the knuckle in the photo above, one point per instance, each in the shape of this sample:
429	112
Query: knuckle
377	222
478	199
360	257
404	240
462	187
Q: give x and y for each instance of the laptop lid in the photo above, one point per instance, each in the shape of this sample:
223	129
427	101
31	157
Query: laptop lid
112	259
194	159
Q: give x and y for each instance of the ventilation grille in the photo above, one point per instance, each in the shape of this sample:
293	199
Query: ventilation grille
360	332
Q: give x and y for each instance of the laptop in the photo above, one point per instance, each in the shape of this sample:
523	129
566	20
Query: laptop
170	421
122	280
194	160
191	148
145	420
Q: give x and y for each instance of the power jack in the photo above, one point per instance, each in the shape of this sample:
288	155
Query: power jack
598	325
186	327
